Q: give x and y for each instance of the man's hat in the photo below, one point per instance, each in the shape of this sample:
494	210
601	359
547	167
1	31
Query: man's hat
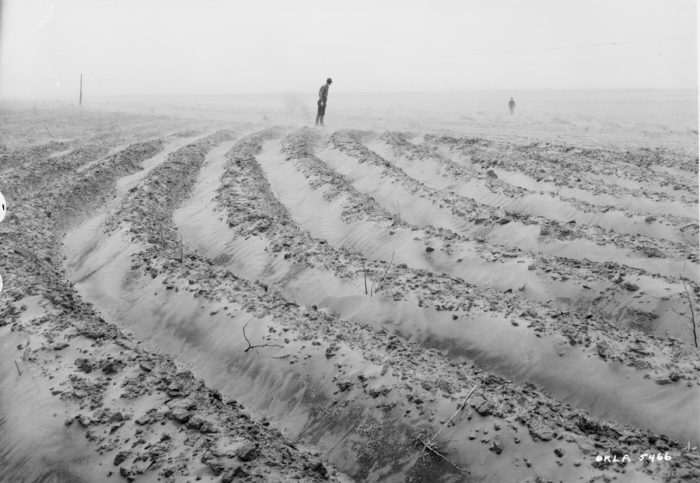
329	81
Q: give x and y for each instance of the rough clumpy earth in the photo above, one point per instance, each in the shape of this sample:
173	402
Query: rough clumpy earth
260	373
140	412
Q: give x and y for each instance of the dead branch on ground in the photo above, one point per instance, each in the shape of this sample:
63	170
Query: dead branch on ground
454	465
251	346
430	446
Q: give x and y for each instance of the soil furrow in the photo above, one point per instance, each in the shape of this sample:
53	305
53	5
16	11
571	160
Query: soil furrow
253	212
423	164
309	214
403	381
389	185
590	170
305	304
103	385
485	185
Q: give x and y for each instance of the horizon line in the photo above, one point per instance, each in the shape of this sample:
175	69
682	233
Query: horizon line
417	91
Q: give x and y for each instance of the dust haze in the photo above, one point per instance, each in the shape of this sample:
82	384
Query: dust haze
217	47
470	255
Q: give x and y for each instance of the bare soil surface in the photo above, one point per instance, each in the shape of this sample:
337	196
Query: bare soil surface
221	301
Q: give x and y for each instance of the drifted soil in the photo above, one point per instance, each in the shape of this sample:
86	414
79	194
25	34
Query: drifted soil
142	415
351	377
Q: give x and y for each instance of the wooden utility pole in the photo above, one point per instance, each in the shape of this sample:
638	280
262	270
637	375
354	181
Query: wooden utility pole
80	100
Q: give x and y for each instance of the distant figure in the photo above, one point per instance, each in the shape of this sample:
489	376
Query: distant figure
322	100
511	106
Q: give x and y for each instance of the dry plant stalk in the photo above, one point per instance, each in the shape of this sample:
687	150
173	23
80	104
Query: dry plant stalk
364	271
381	280
692	312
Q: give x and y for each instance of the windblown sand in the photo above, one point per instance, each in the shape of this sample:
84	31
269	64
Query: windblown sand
228	297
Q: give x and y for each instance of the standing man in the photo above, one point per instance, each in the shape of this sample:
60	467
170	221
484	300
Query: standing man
322	99
511	106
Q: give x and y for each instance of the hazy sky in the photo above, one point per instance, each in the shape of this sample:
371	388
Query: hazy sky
216	46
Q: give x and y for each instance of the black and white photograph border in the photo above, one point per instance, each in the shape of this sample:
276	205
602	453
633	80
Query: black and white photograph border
365	241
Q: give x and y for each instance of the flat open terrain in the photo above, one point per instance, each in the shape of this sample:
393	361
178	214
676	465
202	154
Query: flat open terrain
228	296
